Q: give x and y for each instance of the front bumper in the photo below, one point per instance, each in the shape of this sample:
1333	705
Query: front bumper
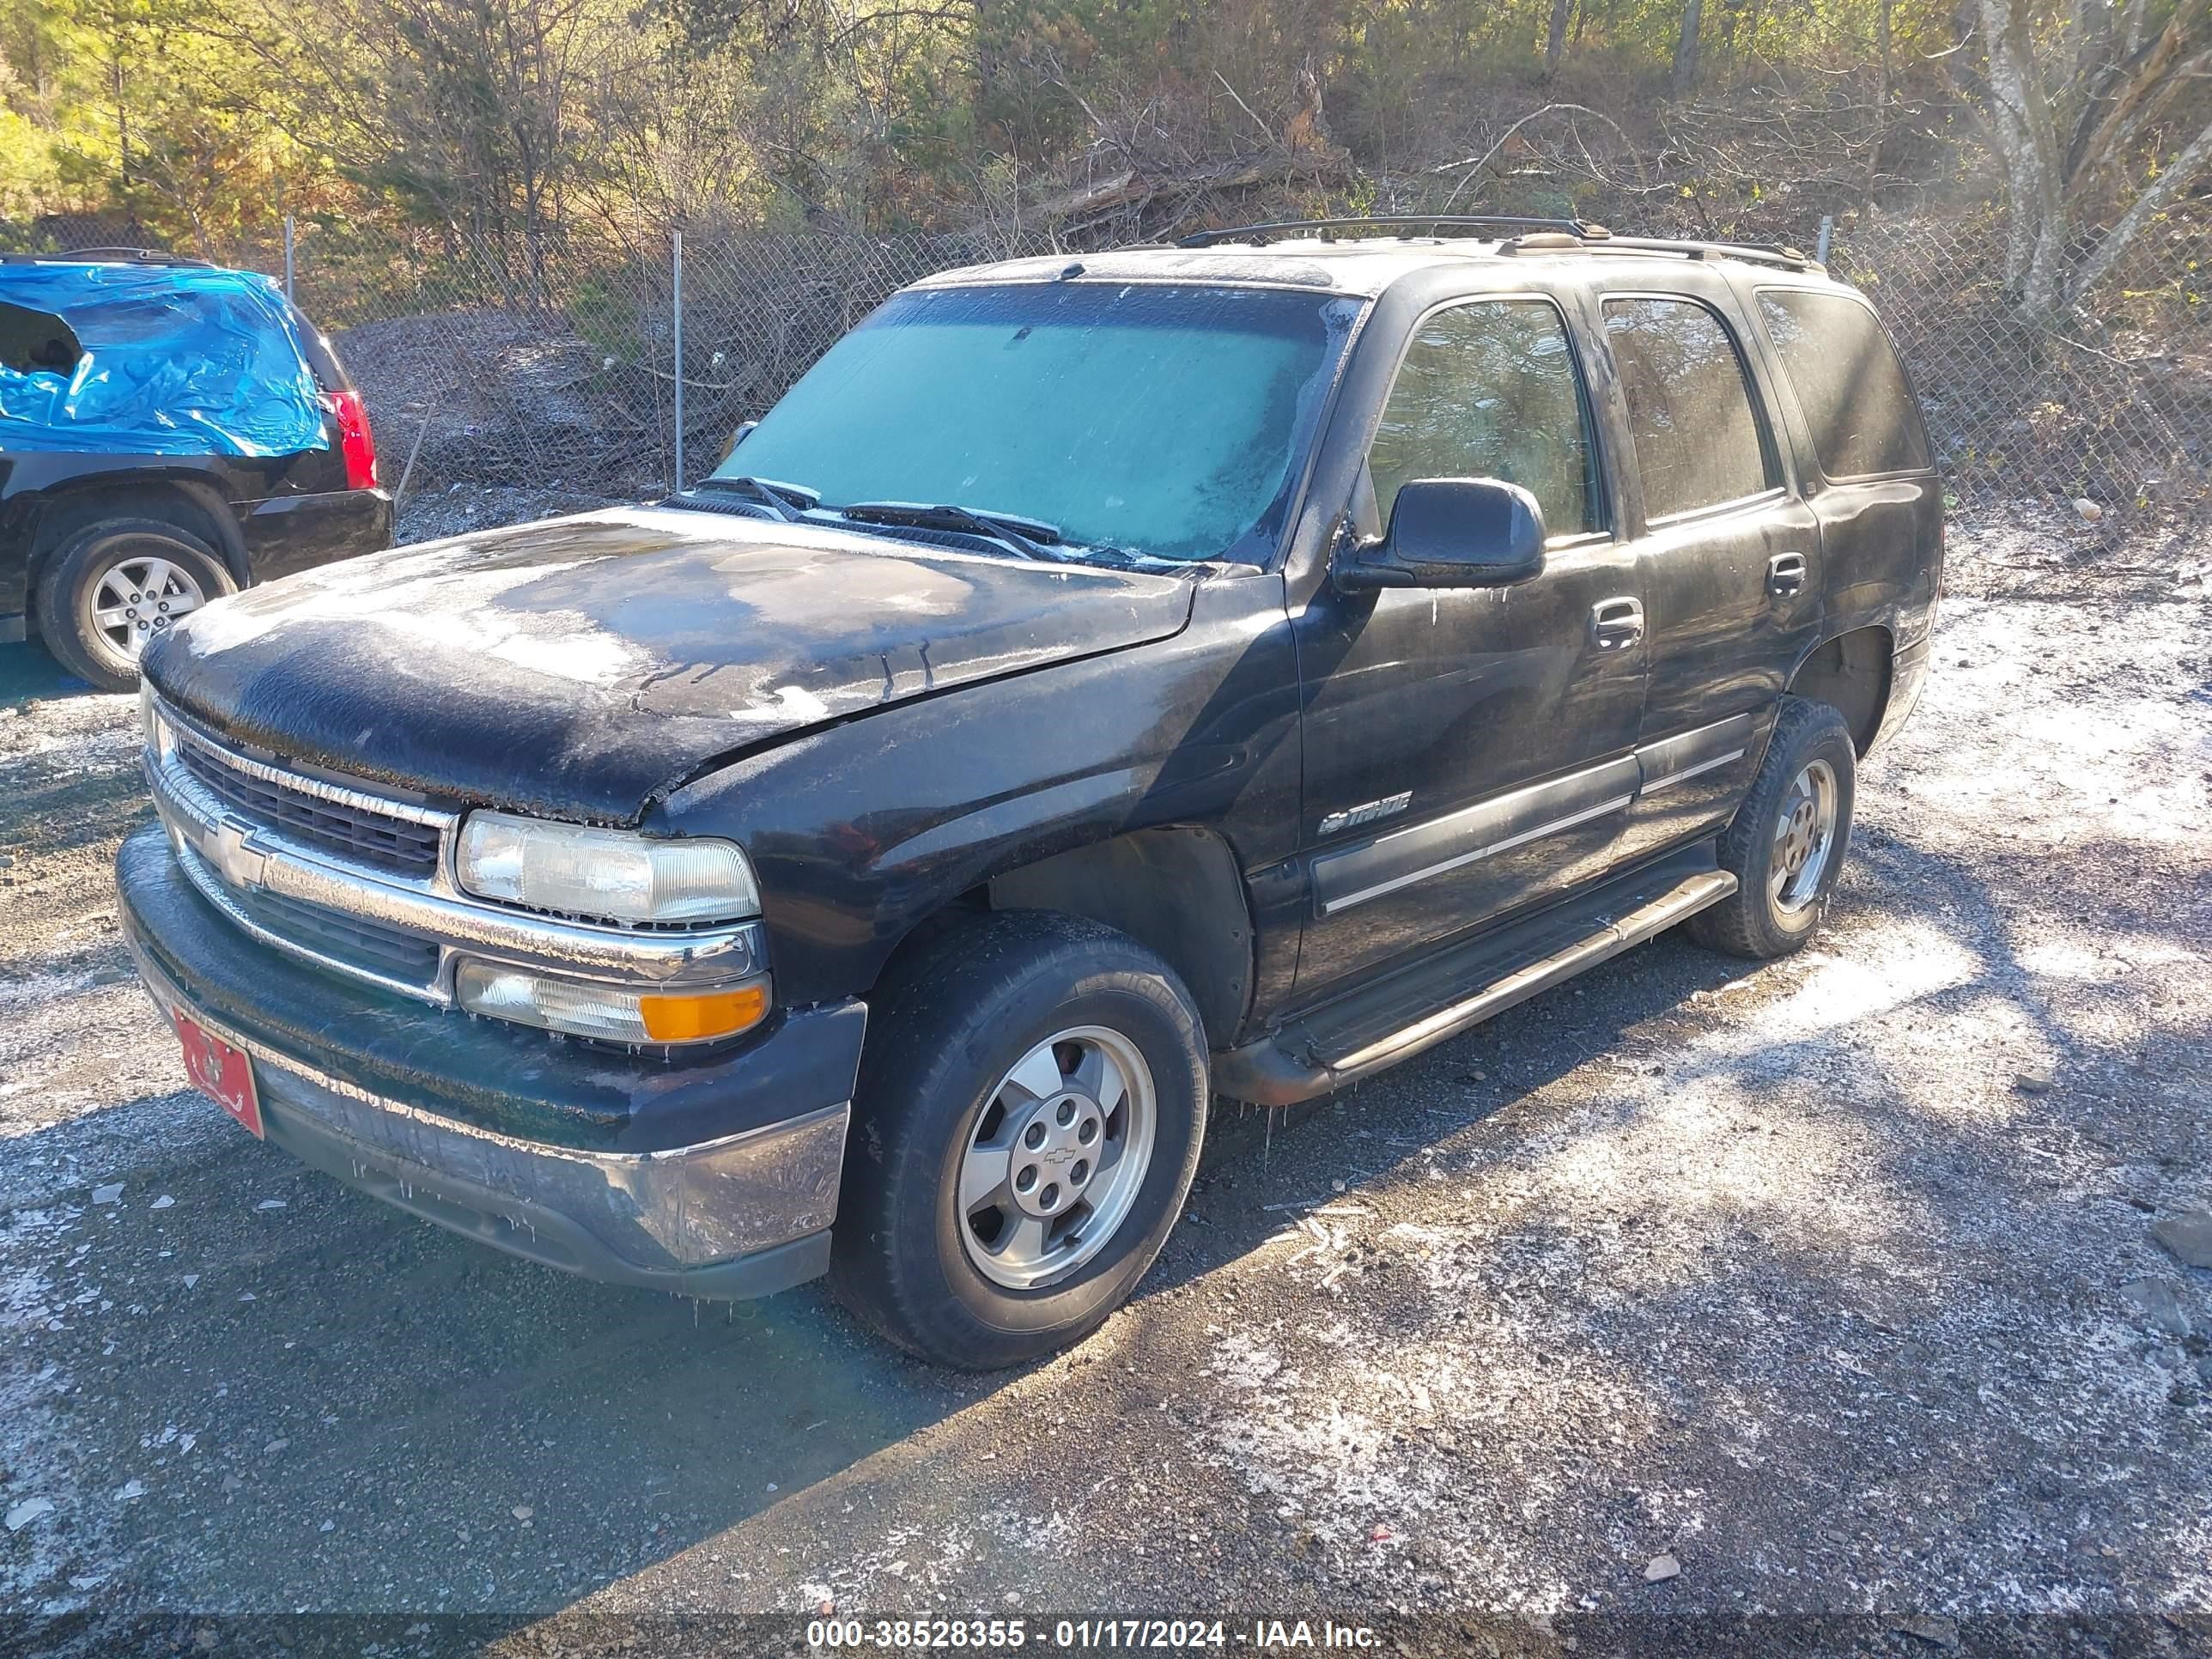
580	1158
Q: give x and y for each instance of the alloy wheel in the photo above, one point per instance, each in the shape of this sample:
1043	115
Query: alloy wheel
1055	1158
1804	837
138	598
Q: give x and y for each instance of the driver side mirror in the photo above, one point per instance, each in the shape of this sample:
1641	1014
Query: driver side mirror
1451	532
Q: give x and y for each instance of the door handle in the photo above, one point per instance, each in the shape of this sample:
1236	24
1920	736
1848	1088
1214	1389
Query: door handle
1616	624
1785	575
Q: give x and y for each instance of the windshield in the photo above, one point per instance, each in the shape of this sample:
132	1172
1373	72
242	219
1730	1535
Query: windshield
1164	421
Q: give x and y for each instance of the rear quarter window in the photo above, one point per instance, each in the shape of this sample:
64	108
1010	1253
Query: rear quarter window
322	358
1847	377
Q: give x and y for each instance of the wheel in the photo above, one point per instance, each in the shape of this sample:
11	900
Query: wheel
113	586
1025	1127
1785	846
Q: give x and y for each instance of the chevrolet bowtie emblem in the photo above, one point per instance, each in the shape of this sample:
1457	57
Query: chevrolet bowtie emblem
228	845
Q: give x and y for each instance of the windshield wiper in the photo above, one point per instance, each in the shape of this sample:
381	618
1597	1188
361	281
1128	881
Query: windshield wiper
1027	537
787	502
1127	558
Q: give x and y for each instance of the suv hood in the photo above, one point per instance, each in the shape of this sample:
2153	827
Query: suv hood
575	667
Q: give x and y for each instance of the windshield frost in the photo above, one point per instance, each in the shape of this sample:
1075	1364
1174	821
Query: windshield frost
1163	420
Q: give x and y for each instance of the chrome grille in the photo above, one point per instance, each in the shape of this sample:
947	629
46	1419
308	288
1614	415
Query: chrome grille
354	879
377	838
352	939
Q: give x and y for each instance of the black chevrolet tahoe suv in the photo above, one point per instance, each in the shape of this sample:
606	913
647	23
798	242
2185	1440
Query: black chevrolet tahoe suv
1097	685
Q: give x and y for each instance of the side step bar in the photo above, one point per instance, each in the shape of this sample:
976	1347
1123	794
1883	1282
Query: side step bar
1301	1061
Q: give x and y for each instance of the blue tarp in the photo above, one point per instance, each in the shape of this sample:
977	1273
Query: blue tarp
178	360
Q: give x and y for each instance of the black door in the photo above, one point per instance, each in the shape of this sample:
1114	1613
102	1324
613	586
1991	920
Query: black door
1729	558
1469	752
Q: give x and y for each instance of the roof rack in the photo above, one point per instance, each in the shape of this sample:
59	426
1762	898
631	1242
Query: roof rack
126	256
1405	224
1772	253
1526	236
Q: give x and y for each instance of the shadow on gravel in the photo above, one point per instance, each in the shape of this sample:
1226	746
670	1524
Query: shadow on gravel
28	673
1914	1341
384	1415
68	809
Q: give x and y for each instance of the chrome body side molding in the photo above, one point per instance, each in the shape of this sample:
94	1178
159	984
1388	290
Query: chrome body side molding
1689	754
1344	878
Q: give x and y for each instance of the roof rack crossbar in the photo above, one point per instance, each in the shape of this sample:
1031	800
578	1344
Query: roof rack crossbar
124	255
1595	238
1763	253
1405	223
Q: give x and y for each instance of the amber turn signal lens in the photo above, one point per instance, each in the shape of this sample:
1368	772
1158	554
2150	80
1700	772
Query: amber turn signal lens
693	1019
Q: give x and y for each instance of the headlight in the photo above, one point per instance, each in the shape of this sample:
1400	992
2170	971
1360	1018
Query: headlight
607	873
151	726
613	1013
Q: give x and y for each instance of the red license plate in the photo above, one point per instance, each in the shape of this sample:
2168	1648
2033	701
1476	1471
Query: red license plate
219	1069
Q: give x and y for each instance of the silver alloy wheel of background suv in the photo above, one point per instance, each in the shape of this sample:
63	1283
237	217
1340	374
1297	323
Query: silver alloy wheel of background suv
136	597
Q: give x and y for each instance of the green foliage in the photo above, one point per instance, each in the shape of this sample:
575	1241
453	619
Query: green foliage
496	122
131	109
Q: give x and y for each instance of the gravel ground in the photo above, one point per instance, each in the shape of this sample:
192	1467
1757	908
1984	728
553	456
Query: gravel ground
1816	1307
426	514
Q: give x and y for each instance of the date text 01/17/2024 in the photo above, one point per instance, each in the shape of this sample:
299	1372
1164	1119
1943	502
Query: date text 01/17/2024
1263	1634
1088	1634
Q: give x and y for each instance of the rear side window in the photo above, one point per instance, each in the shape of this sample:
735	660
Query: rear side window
328	370
1490	390
1700	442
1846	375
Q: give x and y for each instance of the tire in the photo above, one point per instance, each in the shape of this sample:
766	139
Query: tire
947	1029
1776	908
70	598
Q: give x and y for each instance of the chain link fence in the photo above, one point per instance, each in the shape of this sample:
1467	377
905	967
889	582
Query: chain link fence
2110	405
512	378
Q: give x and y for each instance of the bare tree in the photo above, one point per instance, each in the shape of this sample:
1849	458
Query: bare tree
1686	47
463	109
1555	39
2078	105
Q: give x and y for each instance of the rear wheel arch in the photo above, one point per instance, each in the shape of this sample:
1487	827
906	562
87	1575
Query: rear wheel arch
191	506
1851	673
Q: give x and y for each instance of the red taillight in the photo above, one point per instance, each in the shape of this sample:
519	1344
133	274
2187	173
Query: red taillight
354	441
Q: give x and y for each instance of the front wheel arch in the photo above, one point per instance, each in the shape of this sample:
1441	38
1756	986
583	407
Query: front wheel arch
955	1012
1178	891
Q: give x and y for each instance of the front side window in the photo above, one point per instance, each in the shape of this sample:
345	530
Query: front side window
1167	422
1698	442
1847	377
1490	390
